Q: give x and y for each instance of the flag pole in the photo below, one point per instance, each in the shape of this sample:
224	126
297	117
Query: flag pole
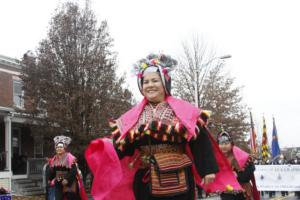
253	146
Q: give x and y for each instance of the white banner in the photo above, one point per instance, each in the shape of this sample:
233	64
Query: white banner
277	177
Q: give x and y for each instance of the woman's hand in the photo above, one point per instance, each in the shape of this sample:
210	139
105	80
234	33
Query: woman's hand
64	182
235	174
209	178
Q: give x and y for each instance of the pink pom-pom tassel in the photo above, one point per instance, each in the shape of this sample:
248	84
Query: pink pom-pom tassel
165	72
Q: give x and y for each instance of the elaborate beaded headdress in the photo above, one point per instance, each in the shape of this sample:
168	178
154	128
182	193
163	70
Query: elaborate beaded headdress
156	63
62	139
224	136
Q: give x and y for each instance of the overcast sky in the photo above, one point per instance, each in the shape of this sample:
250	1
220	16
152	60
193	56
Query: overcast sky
263	38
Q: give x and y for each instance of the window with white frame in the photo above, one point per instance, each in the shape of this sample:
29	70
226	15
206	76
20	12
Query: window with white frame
18	94
38	147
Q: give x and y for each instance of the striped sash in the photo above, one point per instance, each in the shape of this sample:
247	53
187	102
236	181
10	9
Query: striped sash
168	174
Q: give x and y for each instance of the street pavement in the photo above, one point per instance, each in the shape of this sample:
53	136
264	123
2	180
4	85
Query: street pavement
278	196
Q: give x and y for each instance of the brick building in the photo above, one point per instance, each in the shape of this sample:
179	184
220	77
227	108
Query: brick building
21	153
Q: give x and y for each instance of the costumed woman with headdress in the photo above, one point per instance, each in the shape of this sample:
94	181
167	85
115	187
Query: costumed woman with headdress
242	166
64	173
160	148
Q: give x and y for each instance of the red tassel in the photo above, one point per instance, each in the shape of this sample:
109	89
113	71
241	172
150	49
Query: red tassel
165	72
159	125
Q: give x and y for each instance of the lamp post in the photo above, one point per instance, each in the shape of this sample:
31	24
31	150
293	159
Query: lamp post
205	65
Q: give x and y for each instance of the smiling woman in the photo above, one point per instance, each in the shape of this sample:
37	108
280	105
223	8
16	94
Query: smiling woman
160	148
153	88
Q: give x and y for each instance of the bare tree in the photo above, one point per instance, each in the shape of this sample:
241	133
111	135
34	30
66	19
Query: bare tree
199	68
70	83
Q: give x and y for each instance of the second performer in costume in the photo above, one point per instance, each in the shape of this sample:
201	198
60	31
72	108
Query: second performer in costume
64	174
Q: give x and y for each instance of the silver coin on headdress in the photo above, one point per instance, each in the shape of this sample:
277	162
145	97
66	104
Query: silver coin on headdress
62	139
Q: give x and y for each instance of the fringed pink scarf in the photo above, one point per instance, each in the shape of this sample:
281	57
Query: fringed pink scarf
65	160
186	112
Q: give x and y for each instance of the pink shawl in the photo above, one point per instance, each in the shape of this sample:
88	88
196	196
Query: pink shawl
186	112
113	178
242	157
70	160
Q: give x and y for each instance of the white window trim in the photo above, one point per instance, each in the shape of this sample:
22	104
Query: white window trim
41	139
21	96
19	139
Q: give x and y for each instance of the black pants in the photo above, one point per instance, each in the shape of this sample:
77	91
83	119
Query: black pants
200	192
271	194
47	193
284	193
239	196
59	195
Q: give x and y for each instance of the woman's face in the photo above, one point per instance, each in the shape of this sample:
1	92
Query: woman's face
60	149
225	147
153	88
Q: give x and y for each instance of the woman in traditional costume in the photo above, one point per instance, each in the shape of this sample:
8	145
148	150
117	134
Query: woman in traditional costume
160	148
243	167
64	172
